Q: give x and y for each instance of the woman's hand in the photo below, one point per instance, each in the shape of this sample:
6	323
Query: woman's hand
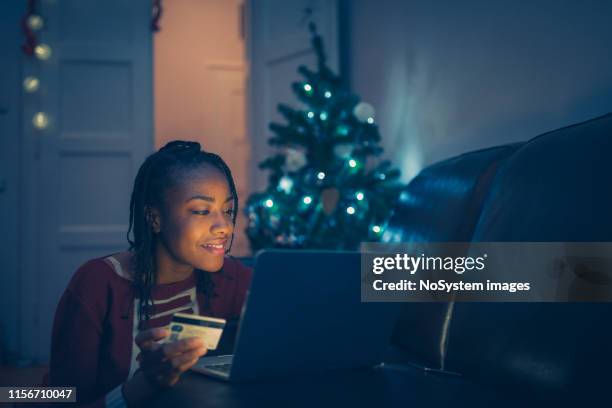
163	364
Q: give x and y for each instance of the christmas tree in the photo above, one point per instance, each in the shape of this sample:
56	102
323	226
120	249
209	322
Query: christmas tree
326	189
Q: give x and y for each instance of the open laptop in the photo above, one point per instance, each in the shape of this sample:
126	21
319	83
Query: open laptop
303	313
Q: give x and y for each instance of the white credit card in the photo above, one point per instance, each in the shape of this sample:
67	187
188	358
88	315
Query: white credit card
185	325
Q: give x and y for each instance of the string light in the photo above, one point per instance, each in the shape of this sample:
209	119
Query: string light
352	163
342	130
43	52
359	195
307	200
327	94
323	116
376	229
307	87
269	203
35	22
350	210
40	120
310	114
31	84
321	175
370	120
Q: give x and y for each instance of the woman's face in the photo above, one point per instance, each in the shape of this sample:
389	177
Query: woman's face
196	224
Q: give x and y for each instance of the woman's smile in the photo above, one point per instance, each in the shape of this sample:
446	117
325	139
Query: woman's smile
215	247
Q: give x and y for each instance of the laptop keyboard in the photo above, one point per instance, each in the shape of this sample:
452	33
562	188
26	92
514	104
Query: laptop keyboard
225	368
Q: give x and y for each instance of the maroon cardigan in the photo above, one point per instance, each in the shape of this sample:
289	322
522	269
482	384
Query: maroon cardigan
92	344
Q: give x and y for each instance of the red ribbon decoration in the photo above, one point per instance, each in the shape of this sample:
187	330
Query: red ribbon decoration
30	40
157	12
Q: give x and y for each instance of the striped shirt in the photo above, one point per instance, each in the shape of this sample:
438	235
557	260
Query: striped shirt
93	343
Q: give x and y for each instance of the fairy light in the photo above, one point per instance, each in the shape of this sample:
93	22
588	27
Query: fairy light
31	84
35	22
43	52
40	120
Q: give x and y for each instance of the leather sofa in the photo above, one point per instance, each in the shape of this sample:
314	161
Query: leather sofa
556	187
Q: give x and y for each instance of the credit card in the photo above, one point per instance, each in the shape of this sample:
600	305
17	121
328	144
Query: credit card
184	325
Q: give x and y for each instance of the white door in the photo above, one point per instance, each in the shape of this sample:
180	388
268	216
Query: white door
278	41
97	92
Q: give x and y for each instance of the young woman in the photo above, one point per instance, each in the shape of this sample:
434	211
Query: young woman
114	312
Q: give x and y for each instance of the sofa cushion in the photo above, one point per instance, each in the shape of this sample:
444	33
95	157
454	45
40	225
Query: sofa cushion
428	211
557	187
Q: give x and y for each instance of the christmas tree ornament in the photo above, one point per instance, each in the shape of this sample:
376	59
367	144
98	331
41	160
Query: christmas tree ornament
343	150
253	219
294	160
282	240
285	184
329	198
363	112
274	221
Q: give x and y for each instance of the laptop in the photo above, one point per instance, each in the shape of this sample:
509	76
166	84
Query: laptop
303	314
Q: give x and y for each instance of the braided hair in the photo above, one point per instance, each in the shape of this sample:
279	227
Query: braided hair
158	173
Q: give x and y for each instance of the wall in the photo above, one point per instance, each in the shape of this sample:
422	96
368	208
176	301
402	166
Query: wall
193	34
10	150
448	77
